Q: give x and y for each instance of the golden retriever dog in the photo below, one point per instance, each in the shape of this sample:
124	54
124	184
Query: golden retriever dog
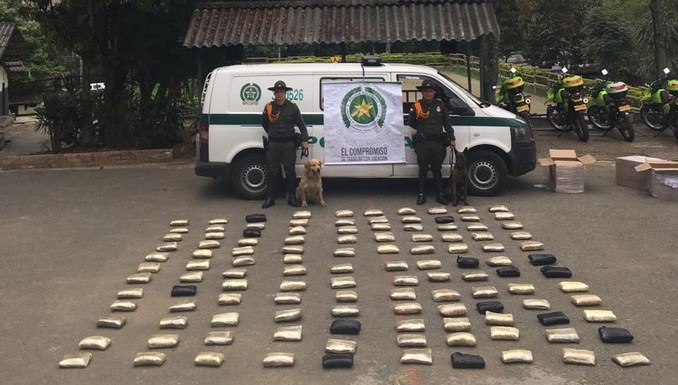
310	187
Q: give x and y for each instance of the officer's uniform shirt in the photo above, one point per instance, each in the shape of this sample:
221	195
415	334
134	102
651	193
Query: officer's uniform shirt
280	125
429	126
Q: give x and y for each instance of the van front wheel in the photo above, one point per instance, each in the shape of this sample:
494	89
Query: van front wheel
487	173
249	177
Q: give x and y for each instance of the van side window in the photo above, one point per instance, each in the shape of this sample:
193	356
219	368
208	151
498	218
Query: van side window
343	80
411	94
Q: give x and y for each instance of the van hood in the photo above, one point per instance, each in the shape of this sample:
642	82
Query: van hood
499	113
496	112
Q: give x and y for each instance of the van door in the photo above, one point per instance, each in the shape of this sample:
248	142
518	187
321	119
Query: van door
317	135
455	106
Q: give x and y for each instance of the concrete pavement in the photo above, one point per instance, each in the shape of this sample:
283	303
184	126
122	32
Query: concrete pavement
71	237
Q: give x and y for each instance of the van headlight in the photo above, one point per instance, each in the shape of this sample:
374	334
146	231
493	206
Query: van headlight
522	132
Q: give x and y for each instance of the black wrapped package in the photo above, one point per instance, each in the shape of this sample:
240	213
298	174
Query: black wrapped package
467	262
345	326
553	318
556	272
337	360
251	233
184	290
467	361
542	259
445	219
614	335
255	218
493	306
508	271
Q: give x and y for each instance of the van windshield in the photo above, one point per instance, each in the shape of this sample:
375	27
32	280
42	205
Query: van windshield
477	101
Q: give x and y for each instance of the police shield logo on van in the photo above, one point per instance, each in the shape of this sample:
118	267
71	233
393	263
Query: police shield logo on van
250	94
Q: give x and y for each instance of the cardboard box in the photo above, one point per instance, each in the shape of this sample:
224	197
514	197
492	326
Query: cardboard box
626	174
565	172
663	180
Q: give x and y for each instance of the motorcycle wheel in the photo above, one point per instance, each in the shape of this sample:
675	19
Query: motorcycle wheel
653	117
581	128
598	117
556	118
625	128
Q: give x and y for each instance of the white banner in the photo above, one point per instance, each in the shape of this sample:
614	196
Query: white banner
363	123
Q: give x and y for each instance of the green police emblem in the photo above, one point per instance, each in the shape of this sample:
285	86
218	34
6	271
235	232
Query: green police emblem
250	94
363	108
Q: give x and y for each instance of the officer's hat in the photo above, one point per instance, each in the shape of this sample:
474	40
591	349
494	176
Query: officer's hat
427	84
280	85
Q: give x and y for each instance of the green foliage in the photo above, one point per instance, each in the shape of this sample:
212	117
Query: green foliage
555	31
134	46
160	124
608	43
44	60
644	36
68	116
512	26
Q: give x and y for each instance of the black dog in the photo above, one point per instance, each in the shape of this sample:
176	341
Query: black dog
456	188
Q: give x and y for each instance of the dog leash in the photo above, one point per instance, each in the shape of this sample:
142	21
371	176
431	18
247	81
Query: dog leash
453	157
304	153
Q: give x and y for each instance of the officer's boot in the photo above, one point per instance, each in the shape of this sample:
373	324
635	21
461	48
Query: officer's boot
421	198
270	201
441	198
291	193
270	195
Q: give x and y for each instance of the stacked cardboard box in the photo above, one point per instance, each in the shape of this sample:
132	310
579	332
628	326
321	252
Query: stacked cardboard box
626	174
663	178
565	170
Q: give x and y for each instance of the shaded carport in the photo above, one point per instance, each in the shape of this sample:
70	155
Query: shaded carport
232	25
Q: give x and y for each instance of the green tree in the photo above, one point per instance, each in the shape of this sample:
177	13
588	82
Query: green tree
512	26
608	42
44	60
555	31
657	50
135	45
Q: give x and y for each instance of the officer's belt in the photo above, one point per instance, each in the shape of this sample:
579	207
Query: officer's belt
280	140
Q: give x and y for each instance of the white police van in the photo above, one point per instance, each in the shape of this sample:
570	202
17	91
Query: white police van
229	142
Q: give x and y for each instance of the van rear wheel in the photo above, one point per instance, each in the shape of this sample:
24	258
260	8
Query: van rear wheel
249	177
487	173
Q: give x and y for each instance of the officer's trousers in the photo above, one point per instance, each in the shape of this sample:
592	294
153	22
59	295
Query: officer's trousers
279	153
430	154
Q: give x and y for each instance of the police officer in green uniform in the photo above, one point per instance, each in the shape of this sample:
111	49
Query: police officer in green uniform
279	119
429	117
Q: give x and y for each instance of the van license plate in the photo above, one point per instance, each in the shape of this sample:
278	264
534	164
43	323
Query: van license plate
580	107
523	108
624	108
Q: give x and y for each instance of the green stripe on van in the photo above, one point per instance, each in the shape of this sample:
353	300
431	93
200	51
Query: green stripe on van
317	119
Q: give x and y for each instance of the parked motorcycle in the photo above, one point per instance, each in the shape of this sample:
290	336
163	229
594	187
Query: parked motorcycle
659	104
510	96
566	105
611	108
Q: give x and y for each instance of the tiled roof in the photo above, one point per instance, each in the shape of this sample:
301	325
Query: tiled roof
13	47
335	21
